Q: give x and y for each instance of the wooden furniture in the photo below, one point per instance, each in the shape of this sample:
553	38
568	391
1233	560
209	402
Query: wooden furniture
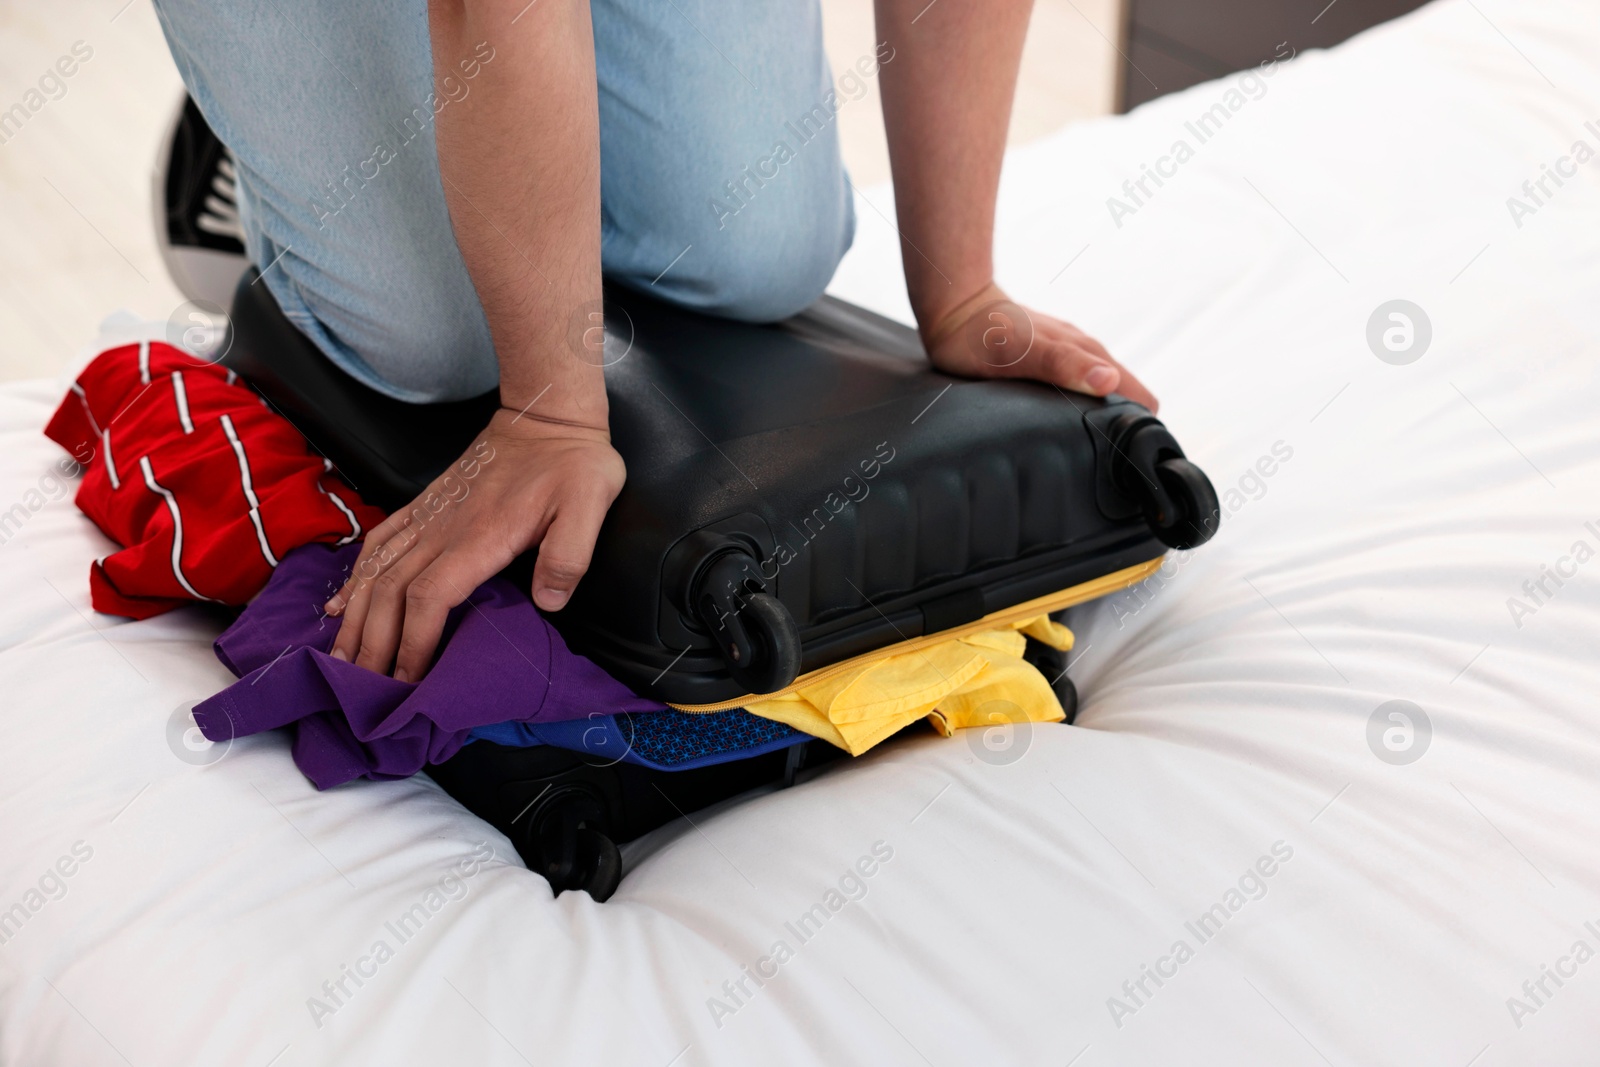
1173	44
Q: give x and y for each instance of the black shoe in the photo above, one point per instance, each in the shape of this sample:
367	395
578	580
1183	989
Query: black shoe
197	210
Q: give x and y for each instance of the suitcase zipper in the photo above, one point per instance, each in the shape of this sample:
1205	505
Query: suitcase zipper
1078	594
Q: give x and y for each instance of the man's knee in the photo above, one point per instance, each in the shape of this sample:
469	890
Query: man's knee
762	265
419	339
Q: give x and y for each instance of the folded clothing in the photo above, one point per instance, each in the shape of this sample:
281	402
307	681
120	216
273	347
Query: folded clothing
975	679
204	487
503	674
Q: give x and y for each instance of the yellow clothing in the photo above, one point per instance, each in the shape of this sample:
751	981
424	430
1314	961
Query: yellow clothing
979	679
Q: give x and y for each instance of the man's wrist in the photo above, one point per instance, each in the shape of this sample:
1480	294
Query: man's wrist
951	318
562	391
933	301
534	420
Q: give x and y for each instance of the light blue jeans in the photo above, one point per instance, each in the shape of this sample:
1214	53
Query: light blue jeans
329	107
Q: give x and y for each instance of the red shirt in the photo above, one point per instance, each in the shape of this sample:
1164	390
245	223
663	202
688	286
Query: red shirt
203	484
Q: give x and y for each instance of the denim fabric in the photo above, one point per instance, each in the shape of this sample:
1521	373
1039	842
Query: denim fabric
329	108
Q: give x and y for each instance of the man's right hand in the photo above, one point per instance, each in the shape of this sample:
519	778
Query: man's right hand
534	482
520	164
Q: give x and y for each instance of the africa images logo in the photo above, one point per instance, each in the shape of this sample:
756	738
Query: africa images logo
1399	332
1399	732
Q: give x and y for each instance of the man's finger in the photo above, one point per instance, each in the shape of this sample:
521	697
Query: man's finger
565	550
1072	367
1134	390
1095	348
380	630
440	586
376	538
359	590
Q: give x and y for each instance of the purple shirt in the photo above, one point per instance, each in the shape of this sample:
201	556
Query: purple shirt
500	662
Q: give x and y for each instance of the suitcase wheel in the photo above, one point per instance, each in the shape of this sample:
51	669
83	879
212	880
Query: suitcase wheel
563	844
1067	693
755	633
1189	516
1175	497
775	661
1052	663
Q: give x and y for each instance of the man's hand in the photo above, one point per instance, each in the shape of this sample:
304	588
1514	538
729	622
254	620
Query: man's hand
520	166
531	483
992	336
948	81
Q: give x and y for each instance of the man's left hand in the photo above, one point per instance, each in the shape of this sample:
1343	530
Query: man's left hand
991	336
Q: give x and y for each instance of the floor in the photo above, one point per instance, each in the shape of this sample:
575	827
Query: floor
76	188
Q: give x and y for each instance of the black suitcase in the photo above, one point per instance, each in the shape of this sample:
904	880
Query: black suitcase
797	494
566	812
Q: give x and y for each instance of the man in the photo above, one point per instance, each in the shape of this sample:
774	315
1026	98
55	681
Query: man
431	189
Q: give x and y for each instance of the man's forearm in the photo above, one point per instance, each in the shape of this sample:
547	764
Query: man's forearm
520	161
946	106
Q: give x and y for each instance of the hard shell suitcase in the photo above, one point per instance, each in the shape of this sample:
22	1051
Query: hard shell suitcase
566	812
797	494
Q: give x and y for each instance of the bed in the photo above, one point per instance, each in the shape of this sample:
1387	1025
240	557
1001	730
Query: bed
1334	793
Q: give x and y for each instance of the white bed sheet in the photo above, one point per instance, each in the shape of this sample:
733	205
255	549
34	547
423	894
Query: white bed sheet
1225	708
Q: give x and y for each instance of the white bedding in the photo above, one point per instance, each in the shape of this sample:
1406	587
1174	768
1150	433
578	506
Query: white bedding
1226	708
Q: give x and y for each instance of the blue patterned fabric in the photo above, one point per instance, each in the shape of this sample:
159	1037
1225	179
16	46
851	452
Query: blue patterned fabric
674	737
665	740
